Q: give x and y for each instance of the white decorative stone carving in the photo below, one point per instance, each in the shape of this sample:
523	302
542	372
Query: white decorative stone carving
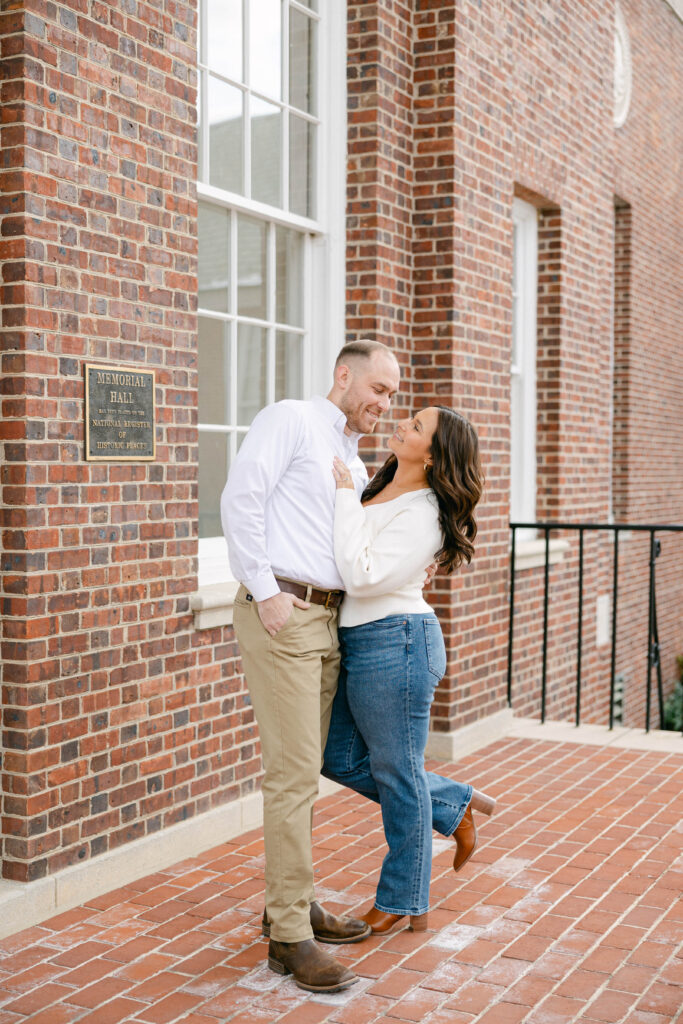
622	69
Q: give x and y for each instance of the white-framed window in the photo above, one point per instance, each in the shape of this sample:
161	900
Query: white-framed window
271	190
523	367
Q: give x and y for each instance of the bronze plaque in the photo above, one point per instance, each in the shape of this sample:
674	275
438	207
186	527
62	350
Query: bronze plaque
119	414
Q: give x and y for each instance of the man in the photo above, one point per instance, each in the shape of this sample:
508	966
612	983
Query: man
277	510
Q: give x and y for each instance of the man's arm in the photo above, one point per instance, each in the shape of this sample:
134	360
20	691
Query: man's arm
263	458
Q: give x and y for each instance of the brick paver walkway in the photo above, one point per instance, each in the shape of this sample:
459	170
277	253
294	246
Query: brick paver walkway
569	911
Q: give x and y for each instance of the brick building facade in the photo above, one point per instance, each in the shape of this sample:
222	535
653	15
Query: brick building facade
124	711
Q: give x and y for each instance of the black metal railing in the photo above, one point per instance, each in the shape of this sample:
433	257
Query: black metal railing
653	651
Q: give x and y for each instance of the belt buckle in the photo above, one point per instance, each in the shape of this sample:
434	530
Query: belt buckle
330	593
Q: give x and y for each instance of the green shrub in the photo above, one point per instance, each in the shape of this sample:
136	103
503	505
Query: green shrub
673	705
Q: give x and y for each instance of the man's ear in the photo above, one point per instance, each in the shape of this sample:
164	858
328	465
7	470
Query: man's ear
342	376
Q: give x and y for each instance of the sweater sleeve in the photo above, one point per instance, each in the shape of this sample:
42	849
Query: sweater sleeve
404	547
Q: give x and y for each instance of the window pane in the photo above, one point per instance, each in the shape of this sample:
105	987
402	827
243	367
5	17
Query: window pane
523	378
517	336
202	169
516	300
288	366
213	370
251	372
301	61
289	247
517	509
515	257
265	44
213	470
251	275
266	149
225	138
224	23
301	142
214	257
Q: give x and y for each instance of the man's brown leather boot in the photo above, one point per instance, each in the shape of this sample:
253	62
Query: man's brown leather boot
328	928
312	968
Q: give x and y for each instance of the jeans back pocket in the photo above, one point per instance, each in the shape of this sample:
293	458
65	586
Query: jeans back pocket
436	649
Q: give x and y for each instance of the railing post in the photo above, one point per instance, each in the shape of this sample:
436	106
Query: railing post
579	631
615	595
653	653
545	621
655	635
649	630
512	613
653	638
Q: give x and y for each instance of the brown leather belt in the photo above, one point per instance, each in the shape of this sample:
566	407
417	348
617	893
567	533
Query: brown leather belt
328	598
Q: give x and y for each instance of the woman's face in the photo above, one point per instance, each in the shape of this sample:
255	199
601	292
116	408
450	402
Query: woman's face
412	439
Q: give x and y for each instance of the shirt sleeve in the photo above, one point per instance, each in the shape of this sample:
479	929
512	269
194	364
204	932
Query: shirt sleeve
263	458
373	566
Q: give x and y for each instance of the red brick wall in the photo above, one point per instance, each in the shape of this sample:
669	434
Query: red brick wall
496	112
621	480
120	718
548	360
379	270
648	465
104	723
502	108
460	303
379	171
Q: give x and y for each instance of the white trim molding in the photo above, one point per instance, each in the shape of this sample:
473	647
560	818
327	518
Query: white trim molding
676	6
450	746
322	270
212	605
530	554
623	68
523	367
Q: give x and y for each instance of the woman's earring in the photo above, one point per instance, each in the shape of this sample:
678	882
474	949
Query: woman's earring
426	466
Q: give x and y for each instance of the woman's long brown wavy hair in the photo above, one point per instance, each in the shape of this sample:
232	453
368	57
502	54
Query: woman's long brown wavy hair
456	479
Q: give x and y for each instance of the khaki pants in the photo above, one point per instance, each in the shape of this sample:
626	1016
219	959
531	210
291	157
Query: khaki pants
292	680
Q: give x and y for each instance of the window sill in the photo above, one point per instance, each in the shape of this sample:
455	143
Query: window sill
530	554
212	605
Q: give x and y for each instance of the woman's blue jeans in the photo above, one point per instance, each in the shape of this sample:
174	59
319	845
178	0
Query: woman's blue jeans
376	745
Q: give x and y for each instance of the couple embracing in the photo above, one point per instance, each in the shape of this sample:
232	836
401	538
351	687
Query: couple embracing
340	650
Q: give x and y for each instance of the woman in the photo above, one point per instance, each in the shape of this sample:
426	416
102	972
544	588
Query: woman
418	507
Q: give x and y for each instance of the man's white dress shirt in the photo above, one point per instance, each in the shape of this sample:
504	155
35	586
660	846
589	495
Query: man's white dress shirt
277	507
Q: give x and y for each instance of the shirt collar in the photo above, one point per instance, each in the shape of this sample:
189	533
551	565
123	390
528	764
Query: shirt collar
334	416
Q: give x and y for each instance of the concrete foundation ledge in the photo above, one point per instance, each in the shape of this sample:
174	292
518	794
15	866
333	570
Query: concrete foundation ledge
451	746
24	904
660	740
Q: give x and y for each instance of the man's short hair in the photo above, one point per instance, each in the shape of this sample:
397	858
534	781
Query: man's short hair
363	348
